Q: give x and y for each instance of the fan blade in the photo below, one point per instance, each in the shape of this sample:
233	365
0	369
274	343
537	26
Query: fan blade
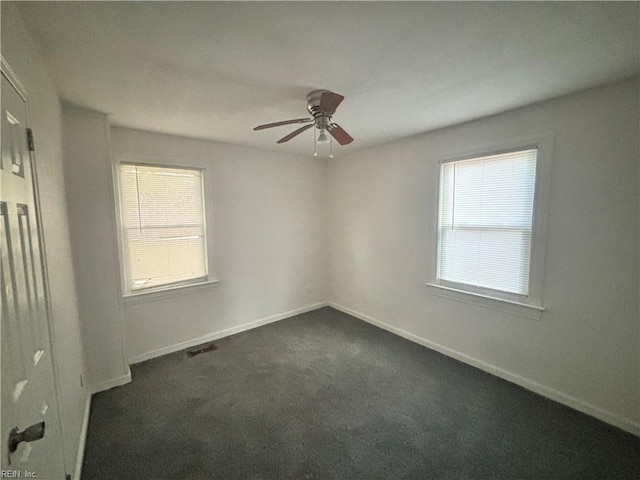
329	101
294	133
286	122
339	134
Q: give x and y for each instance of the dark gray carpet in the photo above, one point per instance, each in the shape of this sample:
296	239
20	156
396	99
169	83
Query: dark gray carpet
325	396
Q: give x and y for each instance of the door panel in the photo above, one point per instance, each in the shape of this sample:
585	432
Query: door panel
35	301
28	392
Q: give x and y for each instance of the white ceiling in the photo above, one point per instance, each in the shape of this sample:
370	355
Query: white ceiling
216	69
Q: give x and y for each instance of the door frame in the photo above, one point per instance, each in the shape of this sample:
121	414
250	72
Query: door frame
7	72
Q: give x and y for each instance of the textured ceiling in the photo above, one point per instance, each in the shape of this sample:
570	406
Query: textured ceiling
216	69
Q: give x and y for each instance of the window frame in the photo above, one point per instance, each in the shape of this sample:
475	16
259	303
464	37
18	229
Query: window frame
174	288
531	305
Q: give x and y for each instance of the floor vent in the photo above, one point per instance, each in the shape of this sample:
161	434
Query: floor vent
207	347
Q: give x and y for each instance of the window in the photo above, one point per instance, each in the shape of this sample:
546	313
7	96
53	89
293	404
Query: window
163	226
485	224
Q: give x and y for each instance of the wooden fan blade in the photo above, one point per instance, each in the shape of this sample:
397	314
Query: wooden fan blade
329	101
294	133
337	132
286	122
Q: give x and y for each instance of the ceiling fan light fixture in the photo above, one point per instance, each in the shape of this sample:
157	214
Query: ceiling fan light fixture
321	105
323	137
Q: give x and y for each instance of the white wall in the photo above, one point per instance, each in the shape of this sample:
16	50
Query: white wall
267	216
584	350
92	221
44	109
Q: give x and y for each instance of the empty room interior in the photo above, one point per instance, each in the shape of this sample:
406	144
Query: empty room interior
322	240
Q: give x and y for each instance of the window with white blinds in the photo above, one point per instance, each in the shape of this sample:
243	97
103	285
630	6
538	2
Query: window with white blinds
485	221
163	225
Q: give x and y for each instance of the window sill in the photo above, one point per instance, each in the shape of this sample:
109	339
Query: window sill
485	301
168	292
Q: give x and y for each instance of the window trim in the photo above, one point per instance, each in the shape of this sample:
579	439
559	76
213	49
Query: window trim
533	303
160	292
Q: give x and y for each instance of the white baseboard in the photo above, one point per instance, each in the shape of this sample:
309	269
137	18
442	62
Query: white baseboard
112	382
556	395
222	333
77	473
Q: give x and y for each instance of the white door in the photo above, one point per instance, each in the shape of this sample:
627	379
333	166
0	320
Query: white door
31	432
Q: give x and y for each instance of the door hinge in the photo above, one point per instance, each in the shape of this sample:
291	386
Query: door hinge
30	142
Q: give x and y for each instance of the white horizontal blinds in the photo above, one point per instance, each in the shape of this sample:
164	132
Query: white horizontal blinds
485	222
163	222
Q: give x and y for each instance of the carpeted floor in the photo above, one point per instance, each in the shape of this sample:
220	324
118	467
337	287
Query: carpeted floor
325	396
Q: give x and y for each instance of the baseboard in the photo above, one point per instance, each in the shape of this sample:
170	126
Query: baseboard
112	382
77	473
551	393
222	333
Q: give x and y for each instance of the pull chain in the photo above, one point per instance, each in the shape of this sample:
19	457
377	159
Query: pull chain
315	143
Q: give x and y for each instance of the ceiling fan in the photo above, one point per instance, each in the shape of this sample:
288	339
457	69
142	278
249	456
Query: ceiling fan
322	105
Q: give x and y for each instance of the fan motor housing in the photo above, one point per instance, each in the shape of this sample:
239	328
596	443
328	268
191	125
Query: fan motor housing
313	105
